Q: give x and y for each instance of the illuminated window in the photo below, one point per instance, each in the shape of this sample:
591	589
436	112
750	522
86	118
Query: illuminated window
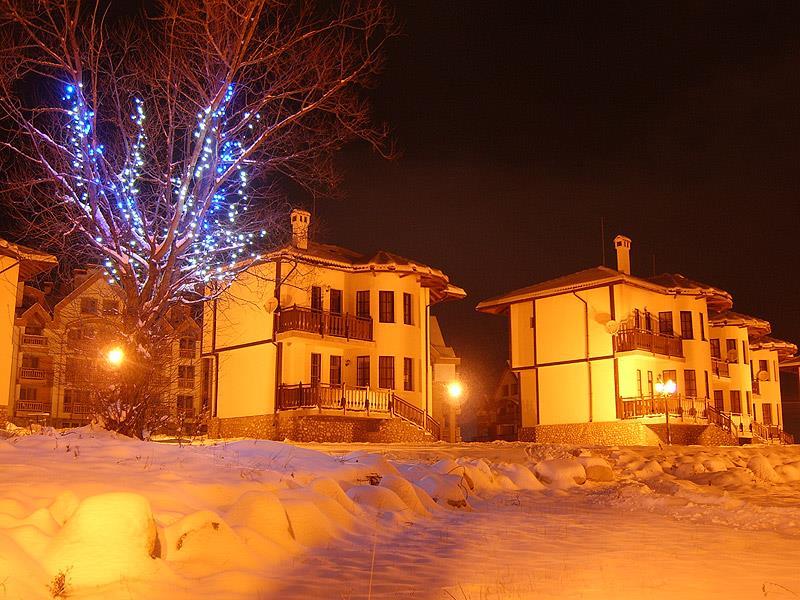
362	304
386	372
386	306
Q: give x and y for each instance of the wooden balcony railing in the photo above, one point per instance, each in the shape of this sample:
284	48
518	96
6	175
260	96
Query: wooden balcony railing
769	433
720	368
29	373
187	353
76	408
687	407
36	406
347	398
641	339
186	383
34	340
722	420
347	326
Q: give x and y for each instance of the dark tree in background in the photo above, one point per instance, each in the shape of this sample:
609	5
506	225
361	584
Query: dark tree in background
152	146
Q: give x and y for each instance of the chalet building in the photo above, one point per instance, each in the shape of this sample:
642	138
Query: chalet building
319	342
498	417
593	346
62	338
17	265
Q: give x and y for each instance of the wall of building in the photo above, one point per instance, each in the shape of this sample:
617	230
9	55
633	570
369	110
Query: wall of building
9	278
739	378
769	387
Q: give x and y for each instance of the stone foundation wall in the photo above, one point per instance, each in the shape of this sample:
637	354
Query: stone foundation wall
612	433
316	428
626	433
683	434
3	416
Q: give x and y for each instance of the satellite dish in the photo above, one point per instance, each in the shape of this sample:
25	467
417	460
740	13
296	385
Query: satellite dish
271	305
732	355
612	326
763	375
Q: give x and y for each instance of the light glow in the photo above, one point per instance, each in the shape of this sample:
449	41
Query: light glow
455	390
115	356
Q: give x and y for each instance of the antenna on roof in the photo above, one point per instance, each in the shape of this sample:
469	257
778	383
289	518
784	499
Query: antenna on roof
603	238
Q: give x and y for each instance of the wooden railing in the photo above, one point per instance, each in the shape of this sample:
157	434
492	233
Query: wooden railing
29	373
641	339
720	368
33	406
34	340
76	408
683	406
186	383
358	399
769	433
722	420
335	397
187	353
347	326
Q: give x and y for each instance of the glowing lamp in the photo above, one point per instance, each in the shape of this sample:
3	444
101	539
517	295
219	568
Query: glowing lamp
670	386
115	356
455	389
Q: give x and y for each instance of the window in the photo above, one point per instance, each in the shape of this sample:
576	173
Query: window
744	351
715	351
639	382
705	373
648	322
316	298
27	393
89	306
687	332
763	365
187	347
718	401
76	369
407	309
110	307
30	362
766	411
336	302
362	304
408	374
731	355
336	370
670	374
665	323
736	402
650	390
386	372
185	376
386	307
362	371
702	327
690	383
316	368
184	403
75	398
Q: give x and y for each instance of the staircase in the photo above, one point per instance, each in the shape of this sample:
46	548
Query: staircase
416	416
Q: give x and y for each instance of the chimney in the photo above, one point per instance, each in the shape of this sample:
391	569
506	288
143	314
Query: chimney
300	222
623	246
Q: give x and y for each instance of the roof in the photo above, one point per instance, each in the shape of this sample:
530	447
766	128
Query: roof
31	262
756	327
343	258
783	348
666	283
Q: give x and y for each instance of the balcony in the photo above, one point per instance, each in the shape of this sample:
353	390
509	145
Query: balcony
76	408
35	374
38	341
186	383
641	339
324	323
33	406
720	368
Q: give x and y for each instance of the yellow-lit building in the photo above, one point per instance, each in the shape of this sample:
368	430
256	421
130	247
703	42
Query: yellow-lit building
63	338
17	264
316	330
593	346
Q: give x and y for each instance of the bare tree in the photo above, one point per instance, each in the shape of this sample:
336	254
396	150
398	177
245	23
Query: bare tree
150	145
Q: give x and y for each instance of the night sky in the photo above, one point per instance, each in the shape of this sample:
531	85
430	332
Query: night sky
522	124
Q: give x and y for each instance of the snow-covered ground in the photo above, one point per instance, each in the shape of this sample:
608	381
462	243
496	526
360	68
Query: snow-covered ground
86	514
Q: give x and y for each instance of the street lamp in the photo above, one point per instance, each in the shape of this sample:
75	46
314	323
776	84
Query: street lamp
666	390
115	356
455	390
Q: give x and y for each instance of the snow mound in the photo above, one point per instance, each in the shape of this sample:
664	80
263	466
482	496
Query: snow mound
520	476
378	498
597	468
762	468
446	490
409	494
263	513
560	472
109	536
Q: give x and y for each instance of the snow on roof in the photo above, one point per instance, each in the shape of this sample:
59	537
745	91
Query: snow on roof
755	327
785	349
31	262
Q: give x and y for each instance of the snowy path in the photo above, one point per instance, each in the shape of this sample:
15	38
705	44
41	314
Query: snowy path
526	545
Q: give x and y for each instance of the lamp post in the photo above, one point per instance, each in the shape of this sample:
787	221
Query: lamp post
665	390
454	391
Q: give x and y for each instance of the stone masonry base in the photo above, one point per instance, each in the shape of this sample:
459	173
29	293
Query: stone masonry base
626	433
316	428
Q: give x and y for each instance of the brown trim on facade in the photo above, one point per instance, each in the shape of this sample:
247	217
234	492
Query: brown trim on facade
535	375
611	305
617	399
246	345
564	362
535	328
